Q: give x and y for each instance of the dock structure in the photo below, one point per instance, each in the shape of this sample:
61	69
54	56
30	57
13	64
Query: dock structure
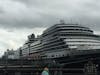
72	66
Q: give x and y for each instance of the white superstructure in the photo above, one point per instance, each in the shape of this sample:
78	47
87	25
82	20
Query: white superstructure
59	41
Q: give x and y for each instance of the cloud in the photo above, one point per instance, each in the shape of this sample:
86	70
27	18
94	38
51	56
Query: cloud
42	13
25	1
13	39
1	11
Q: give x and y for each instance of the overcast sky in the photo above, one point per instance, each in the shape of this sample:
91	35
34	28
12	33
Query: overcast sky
19	18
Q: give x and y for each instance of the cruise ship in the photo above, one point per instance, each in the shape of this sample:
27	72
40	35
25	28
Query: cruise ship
61	40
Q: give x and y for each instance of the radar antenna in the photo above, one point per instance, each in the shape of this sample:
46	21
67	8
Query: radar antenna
62	21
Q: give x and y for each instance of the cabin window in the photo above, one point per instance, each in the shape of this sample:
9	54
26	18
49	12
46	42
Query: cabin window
52	55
